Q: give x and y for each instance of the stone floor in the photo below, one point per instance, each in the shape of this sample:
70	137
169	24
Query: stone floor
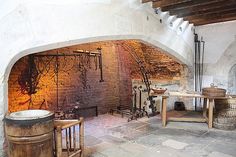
113	136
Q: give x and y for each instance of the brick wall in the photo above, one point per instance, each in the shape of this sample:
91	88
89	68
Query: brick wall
75	87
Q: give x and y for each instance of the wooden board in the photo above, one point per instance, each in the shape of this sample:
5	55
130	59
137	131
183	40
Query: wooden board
187	119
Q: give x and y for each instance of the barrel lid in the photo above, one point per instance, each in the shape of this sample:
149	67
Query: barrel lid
28	117
29	114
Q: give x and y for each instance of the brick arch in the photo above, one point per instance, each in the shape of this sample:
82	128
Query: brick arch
145	40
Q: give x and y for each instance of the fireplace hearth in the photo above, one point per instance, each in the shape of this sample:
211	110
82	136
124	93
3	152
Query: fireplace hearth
89	79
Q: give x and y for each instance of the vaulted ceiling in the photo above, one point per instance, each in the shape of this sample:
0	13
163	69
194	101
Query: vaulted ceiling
198	12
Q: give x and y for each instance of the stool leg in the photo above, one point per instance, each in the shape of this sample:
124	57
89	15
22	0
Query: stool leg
58	141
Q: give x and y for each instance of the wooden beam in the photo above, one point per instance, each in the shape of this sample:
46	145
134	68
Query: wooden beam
187	4
211	14
214	18
204	22
162	3
187	119
193	10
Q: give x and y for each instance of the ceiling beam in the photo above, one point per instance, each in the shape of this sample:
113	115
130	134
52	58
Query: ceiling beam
220	13
209	13
193	10
166	3
199	23
213	18
198	12
187	4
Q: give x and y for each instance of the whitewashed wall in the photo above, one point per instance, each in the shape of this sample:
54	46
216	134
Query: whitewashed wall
220	52
28	26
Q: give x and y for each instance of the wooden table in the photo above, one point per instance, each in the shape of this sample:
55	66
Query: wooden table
207	107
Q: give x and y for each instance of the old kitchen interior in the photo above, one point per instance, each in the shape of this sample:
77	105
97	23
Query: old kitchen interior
152	78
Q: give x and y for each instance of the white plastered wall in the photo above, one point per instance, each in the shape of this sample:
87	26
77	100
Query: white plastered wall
220	52
28	26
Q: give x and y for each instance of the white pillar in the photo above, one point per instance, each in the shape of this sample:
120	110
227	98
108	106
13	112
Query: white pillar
3	110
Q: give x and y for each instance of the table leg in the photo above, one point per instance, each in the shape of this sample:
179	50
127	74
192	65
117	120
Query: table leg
210	113
163	111
205	103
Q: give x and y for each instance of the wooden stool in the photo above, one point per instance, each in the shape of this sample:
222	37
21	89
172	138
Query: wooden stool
71	135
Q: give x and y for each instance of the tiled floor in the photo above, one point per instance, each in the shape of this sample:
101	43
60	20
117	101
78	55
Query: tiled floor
113	136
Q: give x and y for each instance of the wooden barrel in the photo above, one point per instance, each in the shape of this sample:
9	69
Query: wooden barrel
213	91
30	133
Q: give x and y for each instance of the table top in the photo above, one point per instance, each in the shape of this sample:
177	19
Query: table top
186	94
190	95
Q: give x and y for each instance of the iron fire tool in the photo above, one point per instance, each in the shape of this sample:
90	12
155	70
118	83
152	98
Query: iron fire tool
142	110
134	105
152	106
133	114
132	111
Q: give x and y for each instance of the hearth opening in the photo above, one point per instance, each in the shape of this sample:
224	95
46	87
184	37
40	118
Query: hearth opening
93	78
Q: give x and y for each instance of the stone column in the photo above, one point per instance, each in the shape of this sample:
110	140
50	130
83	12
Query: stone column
3	110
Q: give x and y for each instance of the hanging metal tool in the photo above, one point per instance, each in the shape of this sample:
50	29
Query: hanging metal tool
100	64
57	79
33	74
198	67
97	56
